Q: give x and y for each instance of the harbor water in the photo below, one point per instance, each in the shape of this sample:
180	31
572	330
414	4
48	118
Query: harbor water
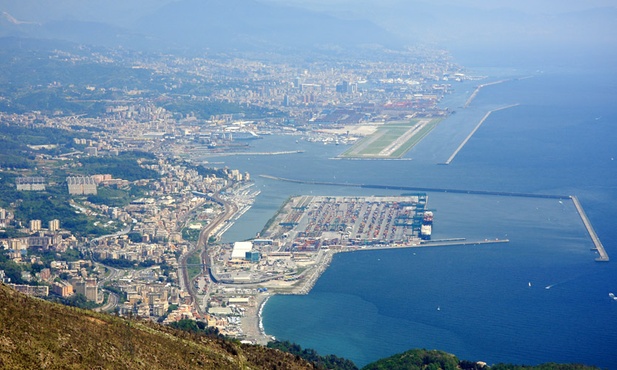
539	298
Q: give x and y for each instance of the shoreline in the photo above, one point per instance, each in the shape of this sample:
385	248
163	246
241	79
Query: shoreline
252	322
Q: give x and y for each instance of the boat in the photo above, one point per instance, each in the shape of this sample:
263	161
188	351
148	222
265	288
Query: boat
427	219
611	295
426	231
244	135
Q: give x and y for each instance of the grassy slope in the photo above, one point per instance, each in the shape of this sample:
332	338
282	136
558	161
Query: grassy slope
35	334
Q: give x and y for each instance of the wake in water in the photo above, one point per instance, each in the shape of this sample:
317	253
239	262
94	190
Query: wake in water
566	281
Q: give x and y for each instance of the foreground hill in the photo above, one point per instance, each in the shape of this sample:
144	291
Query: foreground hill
35	334
421	359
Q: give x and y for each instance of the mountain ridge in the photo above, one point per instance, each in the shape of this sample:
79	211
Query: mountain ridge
234	25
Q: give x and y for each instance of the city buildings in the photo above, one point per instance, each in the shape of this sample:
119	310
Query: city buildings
81	185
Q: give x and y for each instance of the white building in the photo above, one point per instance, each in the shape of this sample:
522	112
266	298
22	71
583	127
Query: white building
240	249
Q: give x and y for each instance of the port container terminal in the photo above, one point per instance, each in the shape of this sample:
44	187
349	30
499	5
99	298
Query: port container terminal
603	255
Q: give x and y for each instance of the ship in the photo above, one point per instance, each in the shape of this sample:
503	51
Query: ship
244	135
426	231
427	225
428	218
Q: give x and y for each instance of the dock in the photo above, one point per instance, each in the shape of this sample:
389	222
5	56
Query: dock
592	233
474	131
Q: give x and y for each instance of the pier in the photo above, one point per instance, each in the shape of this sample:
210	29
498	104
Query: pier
474	131
592	233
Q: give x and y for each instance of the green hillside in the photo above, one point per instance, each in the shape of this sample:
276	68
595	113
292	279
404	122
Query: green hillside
35	334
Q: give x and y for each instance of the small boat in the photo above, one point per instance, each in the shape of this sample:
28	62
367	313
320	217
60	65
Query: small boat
611	295
530	283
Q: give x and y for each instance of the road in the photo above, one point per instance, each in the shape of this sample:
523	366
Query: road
112	300
202	242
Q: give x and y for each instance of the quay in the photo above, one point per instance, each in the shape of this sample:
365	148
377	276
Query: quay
474	131
592	233
424	244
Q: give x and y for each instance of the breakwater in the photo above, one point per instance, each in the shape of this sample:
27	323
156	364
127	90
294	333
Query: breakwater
230	154
592	233
480	87
474	131
420	189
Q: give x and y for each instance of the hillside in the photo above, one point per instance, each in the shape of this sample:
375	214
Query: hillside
35	334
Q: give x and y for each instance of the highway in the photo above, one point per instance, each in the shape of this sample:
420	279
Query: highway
202	243
112	300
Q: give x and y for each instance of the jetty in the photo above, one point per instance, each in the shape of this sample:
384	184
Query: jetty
480	87
592	233
474	131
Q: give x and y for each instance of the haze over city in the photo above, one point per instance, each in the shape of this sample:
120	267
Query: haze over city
354	178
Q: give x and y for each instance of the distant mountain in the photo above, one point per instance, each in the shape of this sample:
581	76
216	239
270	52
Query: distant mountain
222	25
89	33
248	24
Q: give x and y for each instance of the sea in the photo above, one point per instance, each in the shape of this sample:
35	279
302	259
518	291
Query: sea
540	298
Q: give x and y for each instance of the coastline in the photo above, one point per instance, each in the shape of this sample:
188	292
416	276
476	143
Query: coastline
252	322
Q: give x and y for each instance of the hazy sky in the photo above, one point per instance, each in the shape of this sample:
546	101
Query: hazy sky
527	26
533	6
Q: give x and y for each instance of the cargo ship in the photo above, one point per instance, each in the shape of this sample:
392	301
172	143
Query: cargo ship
428	218
426	231
244	135
427	226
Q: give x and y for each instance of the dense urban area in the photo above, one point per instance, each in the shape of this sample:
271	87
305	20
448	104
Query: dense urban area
104	205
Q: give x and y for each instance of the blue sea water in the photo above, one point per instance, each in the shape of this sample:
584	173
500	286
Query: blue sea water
539	298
